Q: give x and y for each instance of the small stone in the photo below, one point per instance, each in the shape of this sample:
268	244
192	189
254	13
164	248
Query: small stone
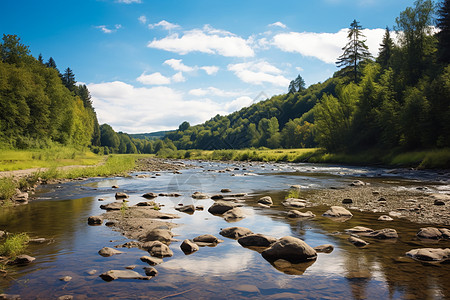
66	278
267	200
101	199
217	197
235	232
107	251
121	195
199	195
152	261
92	272
298	214
347	201
95	220
189	209
157	249
115	187
225	191
189	247
439	202
65	297
122	274
327	248
337	211
385	218
357	183
357	242
150	271
199	207
131	267
150	195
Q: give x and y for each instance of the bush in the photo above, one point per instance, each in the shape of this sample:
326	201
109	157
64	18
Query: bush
7	188
14	245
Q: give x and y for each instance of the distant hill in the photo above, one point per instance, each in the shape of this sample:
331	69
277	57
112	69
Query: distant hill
151	135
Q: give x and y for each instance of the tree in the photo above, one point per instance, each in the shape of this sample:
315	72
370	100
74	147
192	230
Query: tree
386	48
11	50
291	89
184	126
297	85
40	58
68	79
51	63
355	52
443	23
414	31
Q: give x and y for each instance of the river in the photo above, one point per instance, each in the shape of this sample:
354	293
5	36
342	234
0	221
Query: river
228	271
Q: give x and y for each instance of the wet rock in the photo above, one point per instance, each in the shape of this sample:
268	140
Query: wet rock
256	240
381	199
112	206
220	207
39	241
235	232
110	223
9	297
298	214
385	218
357	242
150	271
130	244
189	247
294	202
439	202
92	272
122	274
217	197
295	186
21	197
107	251
206	240
189	209
359	230
430	254
64	297
237	195
225	191
152	261
337	212
151	203
395	214
23	260
131	267
199	195
246	288
199	207
263	205
95	220
66	278
121	195
115	187
327	248
289	248
150	195
267	200
382	234
347	201
157	249
169	194
233	215
162	235
101	199
357	183
434	233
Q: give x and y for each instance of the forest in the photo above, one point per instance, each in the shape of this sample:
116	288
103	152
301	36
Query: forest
397	101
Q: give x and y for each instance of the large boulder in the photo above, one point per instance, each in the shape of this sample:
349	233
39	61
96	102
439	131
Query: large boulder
298	214
121	195
220	207
434	233
294	202
188	247
289	268
150	195
107	251
233	215
337	212
430	254
122	274
157	249
199	195
256	240
162	235
291	249
95	220
382	234
206	240
152	261
235	232
267	200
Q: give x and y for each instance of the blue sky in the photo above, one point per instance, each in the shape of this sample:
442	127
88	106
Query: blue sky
150	65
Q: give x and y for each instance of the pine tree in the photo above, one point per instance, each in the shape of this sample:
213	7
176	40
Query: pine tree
386	48
68	79
443	23
40	59
291	89
355	51
51	63
299	83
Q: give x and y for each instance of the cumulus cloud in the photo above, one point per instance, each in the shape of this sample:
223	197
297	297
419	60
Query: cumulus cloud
212	91
326	47
165	25
143	19
178	77
177	65
153	79
278	24
259	73
206	40
105	28
131	109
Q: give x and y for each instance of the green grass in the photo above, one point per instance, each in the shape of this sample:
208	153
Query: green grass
7	188
14	245
46	158
293	193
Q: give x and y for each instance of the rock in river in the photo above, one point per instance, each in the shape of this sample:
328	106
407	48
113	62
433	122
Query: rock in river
189	209
235	232
289	248
152	261
162	235
188	247
298	214
382	234
95	220
23	260
206	240
327	248
121	195
294	202
157	249
434	233
199	195
150	195
430	254
112	206
337	212
357	242
233	215
256	240
122	274
267	200
107	251
220	207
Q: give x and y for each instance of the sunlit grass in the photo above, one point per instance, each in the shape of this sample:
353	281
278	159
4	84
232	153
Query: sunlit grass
14	245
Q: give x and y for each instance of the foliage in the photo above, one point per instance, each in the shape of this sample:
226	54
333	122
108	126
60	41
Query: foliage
443	23
7	188
14	245
293	193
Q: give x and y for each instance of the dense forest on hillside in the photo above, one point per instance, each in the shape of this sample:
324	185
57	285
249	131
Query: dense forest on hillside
398	100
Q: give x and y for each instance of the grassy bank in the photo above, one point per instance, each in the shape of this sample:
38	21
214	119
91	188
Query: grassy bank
430	159
56	156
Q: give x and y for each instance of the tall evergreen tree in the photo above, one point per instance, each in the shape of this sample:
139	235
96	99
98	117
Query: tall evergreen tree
386	48
51	63
12	51
443	23
68	79
291	89
299	83
355	52
40	59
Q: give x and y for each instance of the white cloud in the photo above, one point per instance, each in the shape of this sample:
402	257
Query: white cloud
105	29
205	40
153	79
177	65
212	91
210	70
164	24
130	109
239	103
278	24
258	73
178	77
143	19
326	47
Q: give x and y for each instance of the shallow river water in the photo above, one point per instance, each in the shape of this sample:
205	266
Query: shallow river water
228	271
